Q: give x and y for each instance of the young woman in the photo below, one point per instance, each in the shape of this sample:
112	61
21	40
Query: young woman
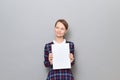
61	27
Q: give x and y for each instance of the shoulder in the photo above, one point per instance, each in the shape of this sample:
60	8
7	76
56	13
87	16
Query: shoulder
70	42
71	46
48	47
48	44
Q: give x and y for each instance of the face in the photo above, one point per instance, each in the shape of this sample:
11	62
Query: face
60	30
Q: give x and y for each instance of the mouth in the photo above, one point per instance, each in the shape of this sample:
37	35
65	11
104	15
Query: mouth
58	33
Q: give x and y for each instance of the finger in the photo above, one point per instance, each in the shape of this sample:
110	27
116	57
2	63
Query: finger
50	54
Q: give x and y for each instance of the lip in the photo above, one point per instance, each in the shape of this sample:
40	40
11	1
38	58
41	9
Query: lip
58	33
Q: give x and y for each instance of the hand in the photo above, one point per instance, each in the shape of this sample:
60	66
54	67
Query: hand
71	57
50	58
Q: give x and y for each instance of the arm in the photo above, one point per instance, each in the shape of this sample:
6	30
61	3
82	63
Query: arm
46	56
72	52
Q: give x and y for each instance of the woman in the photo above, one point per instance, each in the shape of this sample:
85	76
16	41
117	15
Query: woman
61	27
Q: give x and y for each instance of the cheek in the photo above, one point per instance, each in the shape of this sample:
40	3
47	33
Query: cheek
63	32
55	30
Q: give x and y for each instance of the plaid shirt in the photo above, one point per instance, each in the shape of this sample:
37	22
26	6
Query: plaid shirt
59	74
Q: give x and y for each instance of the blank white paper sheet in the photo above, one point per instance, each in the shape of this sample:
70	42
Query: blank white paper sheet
61	58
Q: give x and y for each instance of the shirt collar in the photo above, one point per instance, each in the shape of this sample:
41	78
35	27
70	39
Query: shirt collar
64	41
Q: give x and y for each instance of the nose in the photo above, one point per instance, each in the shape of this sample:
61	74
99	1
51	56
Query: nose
59	30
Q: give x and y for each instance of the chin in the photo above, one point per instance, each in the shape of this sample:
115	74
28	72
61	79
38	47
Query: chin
59	36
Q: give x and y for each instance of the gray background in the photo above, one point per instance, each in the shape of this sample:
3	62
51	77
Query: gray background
26	25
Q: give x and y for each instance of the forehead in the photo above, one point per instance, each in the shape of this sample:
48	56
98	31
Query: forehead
59	24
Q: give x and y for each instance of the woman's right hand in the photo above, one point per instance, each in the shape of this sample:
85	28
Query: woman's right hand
51	58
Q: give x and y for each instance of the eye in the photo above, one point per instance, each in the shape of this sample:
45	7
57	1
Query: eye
62	28
56	27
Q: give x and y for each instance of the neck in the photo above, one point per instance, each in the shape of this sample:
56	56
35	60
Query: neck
59	39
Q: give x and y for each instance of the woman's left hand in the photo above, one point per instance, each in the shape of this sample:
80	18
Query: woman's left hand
71	57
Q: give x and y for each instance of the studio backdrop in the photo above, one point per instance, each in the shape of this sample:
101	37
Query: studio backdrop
27	25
